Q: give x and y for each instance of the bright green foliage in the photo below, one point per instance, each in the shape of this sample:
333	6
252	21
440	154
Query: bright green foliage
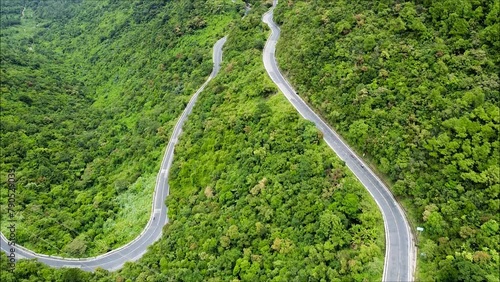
256	195
414	85
90	93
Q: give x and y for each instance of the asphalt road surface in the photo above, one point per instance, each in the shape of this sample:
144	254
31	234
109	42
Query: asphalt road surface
134	250
399	256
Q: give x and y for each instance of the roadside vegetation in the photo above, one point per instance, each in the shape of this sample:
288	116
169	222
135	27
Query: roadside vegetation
414	87
256	195
90	93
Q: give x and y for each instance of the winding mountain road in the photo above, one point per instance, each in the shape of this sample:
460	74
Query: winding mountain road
134	250
399	256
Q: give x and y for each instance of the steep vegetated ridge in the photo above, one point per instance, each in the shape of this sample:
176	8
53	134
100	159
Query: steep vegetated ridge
90	92
414	86
256	195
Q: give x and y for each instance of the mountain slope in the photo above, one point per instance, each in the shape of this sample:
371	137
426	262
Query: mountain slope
413	86
89	96
255	192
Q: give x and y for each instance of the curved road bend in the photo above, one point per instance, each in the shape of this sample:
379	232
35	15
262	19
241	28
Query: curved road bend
134	250
399	256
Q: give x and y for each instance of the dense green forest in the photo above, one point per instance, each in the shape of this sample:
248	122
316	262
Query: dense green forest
414	87
90	92
256	195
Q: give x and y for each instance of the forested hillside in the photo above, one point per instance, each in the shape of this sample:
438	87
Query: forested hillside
256	195
90	92
414	86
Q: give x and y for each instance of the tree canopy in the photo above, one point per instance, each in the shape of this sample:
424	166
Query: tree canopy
414	87
90	93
